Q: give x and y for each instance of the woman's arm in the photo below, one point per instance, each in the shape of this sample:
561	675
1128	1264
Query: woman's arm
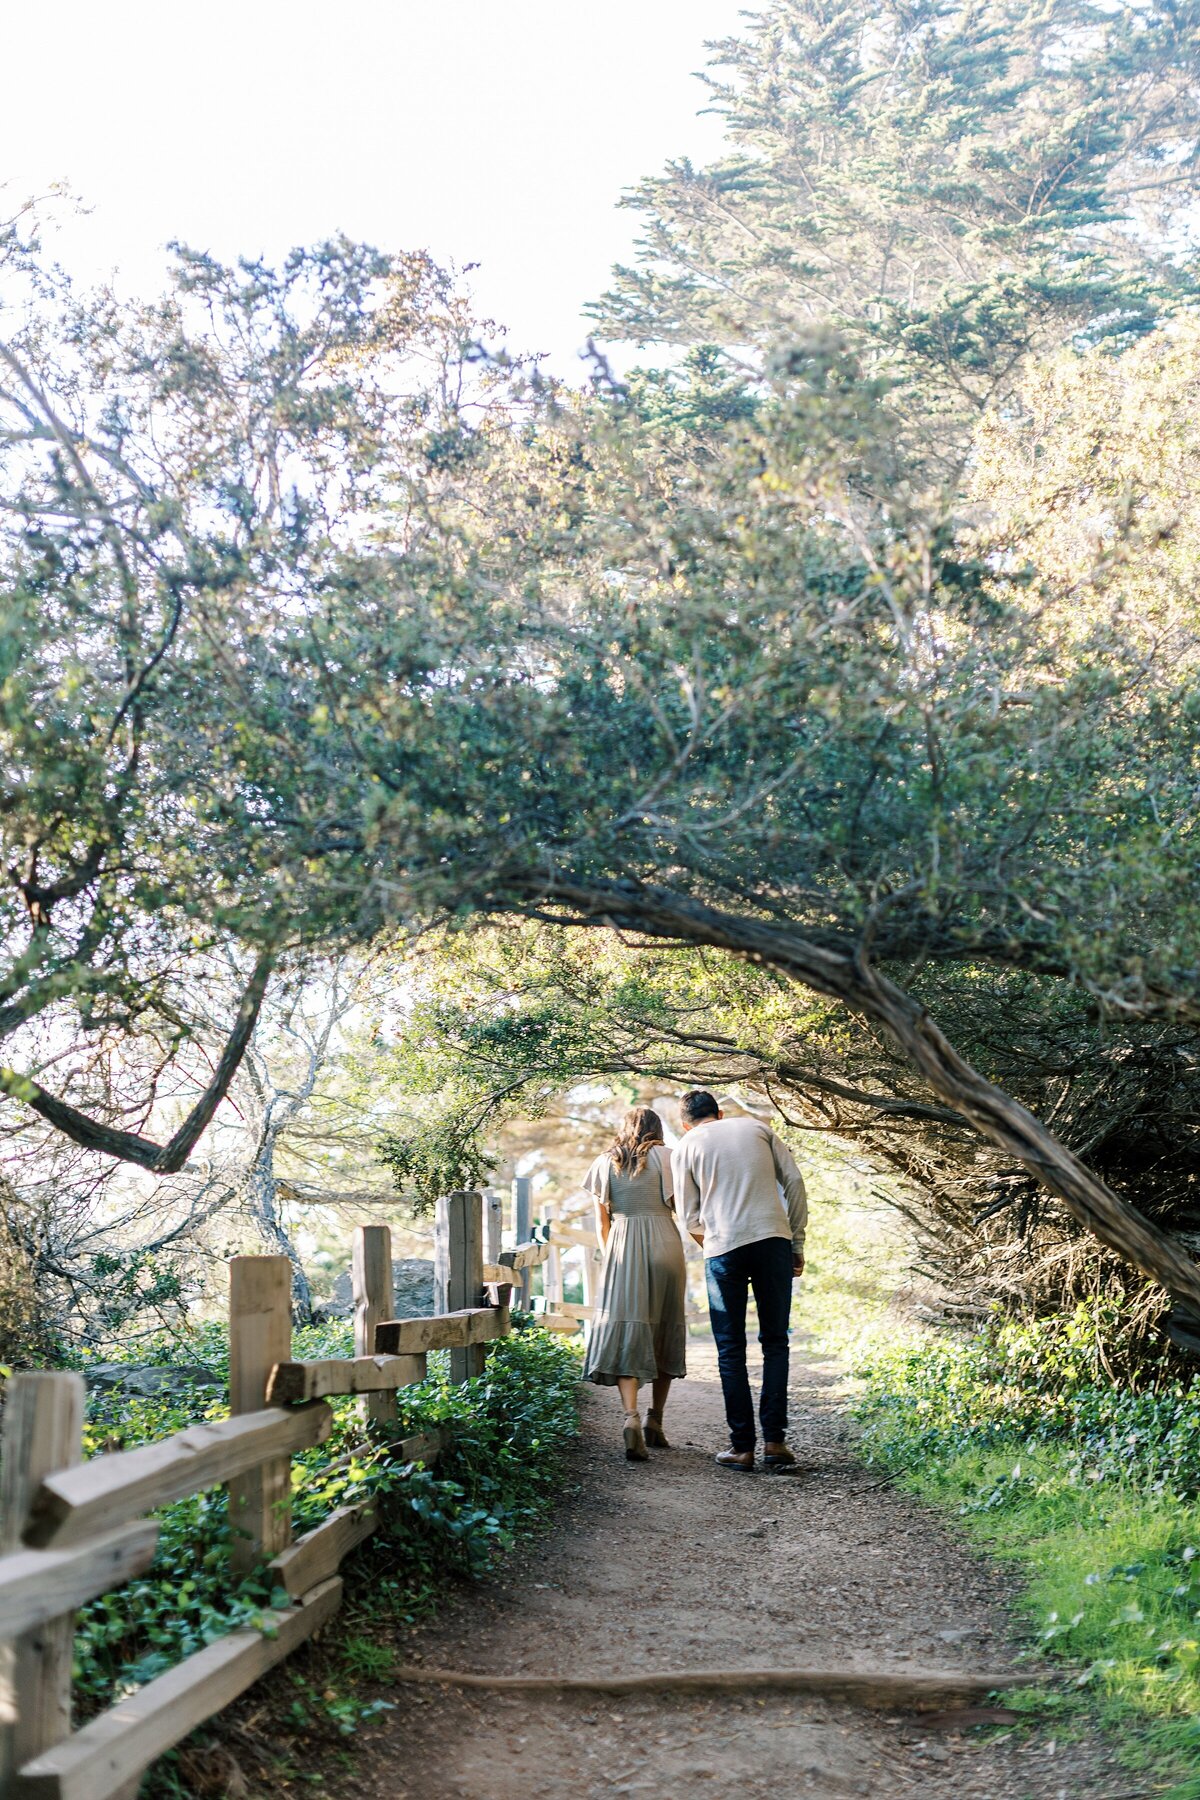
663	1158
596	1183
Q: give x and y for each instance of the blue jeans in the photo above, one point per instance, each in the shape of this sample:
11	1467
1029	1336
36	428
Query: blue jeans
767	1268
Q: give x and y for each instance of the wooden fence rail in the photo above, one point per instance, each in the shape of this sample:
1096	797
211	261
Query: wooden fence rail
71	1530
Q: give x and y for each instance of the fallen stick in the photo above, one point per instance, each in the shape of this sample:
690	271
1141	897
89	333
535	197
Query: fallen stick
917	1690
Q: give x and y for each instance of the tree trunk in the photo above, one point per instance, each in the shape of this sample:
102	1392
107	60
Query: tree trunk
261	1190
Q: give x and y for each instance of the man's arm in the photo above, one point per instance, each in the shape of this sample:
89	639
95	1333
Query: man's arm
687	1194
792	1182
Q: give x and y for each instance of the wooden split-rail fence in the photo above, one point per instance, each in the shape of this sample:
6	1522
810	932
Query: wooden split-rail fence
71	1530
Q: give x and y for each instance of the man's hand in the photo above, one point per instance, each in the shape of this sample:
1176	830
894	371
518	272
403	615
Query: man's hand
797	1265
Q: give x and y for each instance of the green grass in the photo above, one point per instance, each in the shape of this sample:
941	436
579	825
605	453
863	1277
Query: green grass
1090	1491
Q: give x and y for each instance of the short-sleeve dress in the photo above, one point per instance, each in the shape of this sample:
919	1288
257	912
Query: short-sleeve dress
638	1329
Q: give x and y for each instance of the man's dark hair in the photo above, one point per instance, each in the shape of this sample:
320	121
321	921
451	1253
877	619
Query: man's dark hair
697	1106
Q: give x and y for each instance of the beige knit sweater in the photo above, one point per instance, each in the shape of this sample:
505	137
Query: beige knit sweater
728	1177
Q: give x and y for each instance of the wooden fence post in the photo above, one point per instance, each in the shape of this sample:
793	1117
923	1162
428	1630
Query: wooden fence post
260	1335
493	1224
552	1281
43	1432
441	1256
522	1188
464	1218
371	1278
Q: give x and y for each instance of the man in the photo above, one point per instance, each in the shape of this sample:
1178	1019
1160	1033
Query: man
728	1175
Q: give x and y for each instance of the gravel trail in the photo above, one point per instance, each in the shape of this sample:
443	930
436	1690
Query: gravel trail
678	1564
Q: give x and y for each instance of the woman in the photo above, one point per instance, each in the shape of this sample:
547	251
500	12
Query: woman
638	1332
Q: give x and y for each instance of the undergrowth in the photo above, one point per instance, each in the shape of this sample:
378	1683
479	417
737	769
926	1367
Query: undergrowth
1093	1490
494	1485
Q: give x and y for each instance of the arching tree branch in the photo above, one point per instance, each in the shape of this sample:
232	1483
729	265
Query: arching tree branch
128	1146
846	975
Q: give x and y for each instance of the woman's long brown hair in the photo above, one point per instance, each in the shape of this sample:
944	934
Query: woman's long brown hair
637	1134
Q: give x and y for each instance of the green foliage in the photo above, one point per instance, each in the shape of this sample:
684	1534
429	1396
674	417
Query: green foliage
439	1155
133	1282
510	1427
954	186
366	1659
330	627
1043	1383
1093	1490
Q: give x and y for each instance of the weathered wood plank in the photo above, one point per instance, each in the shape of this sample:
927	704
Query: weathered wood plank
260	1335
566	1236
425	1446
525	1256
293	1382
448	1331
558	1322
499	1275
493	1224
371	1281
43	1434
113	1749
552	1271
441	1254
108	1491
38	1585
569	1309
317	1555
416	1366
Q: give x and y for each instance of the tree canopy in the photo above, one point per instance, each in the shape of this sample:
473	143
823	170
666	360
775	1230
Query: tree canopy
954	186
326	625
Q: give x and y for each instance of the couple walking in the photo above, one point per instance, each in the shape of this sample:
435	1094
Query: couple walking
739	1193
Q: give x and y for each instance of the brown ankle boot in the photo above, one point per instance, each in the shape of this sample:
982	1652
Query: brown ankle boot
742	1460
656	1437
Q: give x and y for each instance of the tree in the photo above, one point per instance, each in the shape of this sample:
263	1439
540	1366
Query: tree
807	726
184	487
92	1249
561	659
284	1107
956	187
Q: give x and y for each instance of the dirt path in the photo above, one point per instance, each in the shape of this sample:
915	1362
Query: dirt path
677	1563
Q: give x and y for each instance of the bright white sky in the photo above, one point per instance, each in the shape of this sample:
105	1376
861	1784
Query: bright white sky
486	132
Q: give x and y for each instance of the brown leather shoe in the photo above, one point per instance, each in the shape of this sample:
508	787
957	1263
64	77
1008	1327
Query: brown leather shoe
742	1460
779	1458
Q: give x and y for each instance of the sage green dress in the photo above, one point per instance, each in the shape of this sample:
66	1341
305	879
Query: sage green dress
638	1328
